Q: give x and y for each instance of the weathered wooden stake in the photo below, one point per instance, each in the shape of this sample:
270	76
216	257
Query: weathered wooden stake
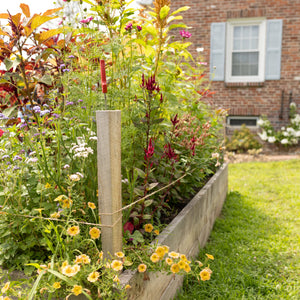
109	179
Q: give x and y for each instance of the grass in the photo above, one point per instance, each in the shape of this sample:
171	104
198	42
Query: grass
256	240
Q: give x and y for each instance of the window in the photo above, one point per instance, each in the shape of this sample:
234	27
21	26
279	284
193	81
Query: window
238	121
246	50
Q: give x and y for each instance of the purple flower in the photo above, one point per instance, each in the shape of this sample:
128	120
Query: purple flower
83	107
69	103
128	27
55	115
23	125
86	21
17	157
36	109
36	134
62	65
66	70
80	100
139	28
5	156
16	168
44	112
71	56
185	34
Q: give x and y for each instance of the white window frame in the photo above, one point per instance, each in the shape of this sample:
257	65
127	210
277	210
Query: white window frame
261	22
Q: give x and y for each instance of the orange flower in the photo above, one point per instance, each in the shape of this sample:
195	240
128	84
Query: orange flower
94	233
91	205
74	230
148	227
205	274
142	268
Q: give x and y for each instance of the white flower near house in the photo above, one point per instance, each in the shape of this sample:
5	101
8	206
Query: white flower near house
293	105
215	155
284	141
296	120
282	128
93	138
271	139
294	141
285	133
263	135
297	133
260	122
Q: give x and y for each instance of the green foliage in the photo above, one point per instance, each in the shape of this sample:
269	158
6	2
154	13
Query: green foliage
242	140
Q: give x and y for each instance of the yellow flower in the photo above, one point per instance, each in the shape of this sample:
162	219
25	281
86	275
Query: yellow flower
94	233
174	254
6	287
74	230
70	270
60	198
148	227
183	257
205	275
56	285
119	254
127	286
116	279
116	265
169	261
82	259
174	268
64	264
67	203
93	276
210	256
199	263
77	289
160	251
154	257
91	205
142	268
101	255
156	232
166	249
55	215
181	264
47	185
187	268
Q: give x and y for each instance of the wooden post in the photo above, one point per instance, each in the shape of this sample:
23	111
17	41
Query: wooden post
109	179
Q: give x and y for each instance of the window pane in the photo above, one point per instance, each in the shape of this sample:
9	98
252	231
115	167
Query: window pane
245	37
245	64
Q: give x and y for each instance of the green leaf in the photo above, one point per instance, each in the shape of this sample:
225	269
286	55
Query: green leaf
8	63
152	185
180	25
172	18
46	79
184	8
164	12
62	277
147	217
148	202
150	29
35	286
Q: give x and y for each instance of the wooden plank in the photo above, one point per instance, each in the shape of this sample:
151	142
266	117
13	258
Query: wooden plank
109	179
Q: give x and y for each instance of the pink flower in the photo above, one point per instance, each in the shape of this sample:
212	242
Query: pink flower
1	132
139	28
185	34
150	151
150	84
86	21
128	227
128	27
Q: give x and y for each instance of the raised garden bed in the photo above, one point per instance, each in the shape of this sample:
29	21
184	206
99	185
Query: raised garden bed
188	231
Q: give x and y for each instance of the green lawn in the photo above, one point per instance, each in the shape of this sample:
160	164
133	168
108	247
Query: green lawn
256	240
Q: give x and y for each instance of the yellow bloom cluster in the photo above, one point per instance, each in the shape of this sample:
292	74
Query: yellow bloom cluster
94	233
69	270
64	201
82	259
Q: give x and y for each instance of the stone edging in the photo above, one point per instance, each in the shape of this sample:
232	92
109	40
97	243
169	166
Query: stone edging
188	231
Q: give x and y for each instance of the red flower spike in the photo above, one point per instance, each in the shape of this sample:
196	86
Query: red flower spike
103	76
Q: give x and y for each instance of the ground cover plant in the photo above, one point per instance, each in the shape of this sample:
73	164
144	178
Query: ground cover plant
50	89
256	239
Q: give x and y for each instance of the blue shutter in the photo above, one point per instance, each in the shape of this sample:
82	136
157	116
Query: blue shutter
273	49
217	51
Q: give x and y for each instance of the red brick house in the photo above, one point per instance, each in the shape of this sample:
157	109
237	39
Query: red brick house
253	51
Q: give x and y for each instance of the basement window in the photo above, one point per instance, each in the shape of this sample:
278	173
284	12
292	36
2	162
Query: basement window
238	121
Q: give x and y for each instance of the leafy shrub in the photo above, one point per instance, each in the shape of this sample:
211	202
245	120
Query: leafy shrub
242	140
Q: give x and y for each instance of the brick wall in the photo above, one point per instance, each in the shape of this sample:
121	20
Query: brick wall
264	99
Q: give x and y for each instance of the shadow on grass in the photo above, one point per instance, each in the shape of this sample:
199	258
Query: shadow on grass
251	253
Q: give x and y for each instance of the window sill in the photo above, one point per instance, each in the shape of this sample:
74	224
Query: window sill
244	84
